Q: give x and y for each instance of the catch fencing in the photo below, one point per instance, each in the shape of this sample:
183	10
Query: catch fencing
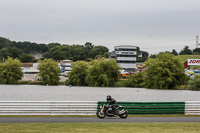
90	107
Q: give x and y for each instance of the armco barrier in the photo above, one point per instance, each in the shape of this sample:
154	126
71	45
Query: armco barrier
90	107
152	107
192	108
48	107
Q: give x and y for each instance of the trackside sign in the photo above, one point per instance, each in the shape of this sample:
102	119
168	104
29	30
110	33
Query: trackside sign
193	62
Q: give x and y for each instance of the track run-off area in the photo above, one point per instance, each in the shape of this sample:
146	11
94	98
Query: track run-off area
75	93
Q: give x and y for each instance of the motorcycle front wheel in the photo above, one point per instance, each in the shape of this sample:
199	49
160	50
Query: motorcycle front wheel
124	115
100	114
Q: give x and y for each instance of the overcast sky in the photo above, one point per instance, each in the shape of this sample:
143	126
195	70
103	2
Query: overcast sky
153	25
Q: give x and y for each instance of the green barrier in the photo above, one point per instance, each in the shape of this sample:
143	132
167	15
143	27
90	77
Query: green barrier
151	107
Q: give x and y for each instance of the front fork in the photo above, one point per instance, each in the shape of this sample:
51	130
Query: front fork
102	109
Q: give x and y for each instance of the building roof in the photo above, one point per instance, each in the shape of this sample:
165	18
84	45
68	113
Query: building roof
27	64
126	46
66	60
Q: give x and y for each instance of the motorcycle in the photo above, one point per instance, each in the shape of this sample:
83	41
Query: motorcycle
104	111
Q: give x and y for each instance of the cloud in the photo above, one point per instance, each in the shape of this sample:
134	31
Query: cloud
105	22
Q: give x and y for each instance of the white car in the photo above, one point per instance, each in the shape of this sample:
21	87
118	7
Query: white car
123	71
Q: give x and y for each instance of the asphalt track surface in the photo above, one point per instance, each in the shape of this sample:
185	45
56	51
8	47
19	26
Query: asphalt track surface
97	120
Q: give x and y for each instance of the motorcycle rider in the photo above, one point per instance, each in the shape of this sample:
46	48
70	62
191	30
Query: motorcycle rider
113	104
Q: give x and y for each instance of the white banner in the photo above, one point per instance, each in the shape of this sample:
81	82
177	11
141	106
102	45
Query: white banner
193	62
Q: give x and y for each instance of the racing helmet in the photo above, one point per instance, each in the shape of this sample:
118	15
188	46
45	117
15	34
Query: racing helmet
108	97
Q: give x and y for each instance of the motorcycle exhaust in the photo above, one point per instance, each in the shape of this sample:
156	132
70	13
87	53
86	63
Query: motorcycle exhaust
121	112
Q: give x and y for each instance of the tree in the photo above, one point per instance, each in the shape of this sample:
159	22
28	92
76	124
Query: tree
152	56
186	51
11	52
4	53
77	52
43	48
49	71
15	52
103	73
46	55
174	52
98	50
88	46
194	83
196	51
10	71
52	45
144	55
138	52
5	43
165	72
136	80
98	56
57	54
26	58
106	54
78	74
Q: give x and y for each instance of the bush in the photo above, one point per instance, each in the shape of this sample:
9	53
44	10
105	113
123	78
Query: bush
165	72
26	58
78	74
103	73
182	87
137	80
49	72
121	83
194	84
28	83
10	71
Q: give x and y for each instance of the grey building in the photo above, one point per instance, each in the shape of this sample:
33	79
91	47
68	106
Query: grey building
66	65
125	56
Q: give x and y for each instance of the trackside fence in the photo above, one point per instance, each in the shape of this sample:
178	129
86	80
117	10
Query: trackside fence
48	107
192	108
135	108
90	107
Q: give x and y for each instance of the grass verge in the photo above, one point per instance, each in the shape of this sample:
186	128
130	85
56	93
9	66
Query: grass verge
185	57
121	83
100	127
33	83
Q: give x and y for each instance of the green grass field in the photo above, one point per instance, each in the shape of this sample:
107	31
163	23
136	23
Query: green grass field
100	128
185	57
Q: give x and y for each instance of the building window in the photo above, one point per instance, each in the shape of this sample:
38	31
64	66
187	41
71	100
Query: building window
126	55
122	49
123	61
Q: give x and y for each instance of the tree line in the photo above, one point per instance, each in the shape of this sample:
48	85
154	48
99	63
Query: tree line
163	72
184	51
24	51
87	52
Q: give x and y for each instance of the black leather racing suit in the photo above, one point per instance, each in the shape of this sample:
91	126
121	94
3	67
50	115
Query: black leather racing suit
113	104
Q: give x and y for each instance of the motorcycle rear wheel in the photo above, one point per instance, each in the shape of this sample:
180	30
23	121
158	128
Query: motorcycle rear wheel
124	115
100	114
